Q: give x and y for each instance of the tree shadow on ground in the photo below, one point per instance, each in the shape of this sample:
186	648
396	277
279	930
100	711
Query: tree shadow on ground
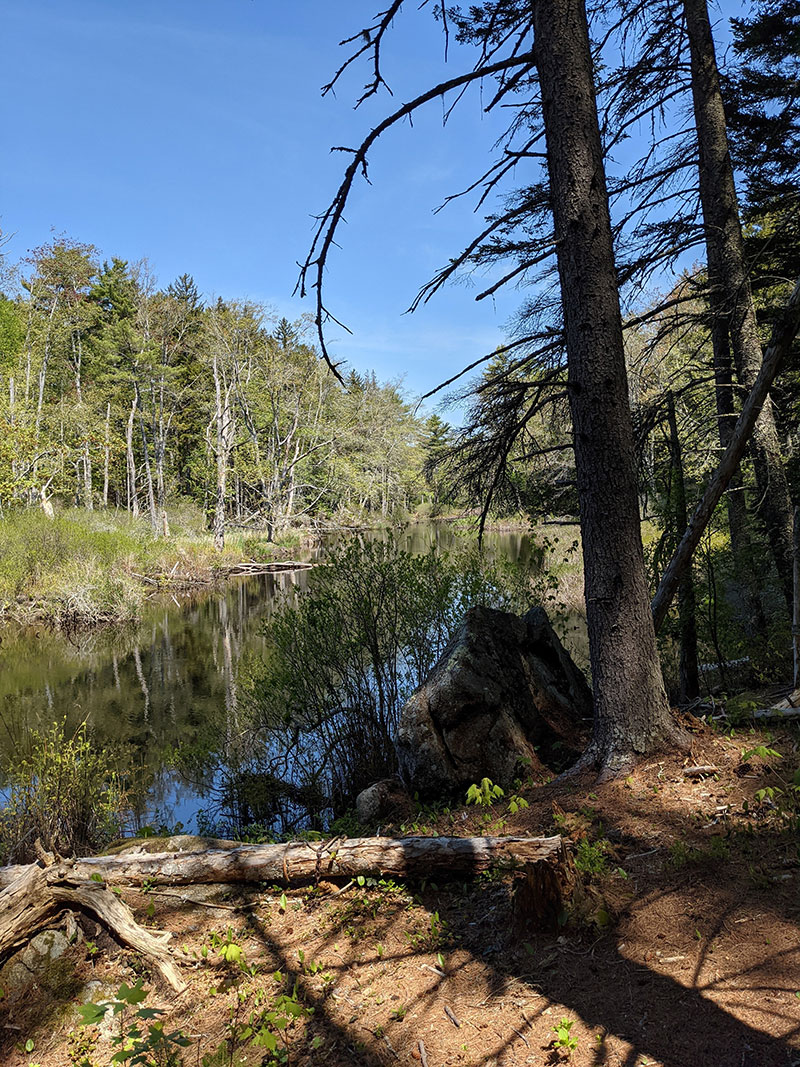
704	1013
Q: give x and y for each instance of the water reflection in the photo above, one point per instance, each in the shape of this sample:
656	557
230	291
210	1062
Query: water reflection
169	682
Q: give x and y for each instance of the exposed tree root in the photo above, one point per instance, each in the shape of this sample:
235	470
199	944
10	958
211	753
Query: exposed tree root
605	761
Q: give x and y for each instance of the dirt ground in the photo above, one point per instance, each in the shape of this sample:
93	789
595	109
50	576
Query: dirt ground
681	949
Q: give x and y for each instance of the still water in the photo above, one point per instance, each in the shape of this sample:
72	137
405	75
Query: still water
157	686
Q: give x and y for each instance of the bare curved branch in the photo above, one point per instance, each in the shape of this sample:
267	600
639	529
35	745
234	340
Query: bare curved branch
328	223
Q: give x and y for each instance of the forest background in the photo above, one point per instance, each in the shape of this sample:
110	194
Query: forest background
122	390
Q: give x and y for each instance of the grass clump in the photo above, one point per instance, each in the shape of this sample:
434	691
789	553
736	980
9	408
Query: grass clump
67	794
74	565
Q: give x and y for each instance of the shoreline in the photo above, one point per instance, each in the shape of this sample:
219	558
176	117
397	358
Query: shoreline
83	569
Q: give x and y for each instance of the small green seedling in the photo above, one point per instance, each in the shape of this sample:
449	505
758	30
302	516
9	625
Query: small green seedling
564	1038
135	1044
762	752
485	794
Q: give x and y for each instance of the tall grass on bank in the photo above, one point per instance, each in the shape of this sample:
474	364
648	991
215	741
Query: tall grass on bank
69	563
342	660
88	566
68	794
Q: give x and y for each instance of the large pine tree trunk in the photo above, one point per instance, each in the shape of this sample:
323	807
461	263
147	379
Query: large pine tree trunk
727	270
631	713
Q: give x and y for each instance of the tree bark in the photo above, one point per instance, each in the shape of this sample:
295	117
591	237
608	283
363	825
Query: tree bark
32	900
783	335
87	477
727	271
631	713
687	608
106	455
133	496
301	861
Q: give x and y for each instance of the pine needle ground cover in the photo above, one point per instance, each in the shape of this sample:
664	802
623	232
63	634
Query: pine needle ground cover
683	947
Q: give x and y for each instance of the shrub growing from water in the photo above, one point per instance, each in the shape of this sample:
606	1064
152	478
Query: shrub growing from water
342	660
68	794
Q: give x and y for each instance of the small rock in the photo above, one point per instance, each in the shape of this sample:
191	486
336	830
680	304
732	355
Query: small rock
48	945
376	801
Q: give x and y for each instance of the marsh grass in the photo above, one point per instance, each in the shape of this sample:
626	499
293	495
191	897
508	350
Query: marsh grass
100	566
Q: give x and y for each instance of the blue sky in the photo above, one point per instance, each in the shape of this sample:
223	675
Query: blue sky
192	132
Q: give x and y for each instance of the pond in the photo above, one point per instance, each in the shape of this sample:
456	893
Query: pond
166	683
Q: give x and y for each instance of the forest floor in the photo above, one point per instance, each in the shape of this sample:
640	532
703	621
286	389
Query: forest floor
682	950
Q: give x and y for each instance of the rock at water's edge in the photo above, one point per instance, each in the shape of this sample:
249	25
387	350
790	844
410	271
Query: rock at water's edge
504	688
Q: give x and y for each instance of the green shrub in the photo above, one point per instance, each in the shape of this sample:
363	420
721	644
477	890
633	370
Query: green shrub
67	794
343	658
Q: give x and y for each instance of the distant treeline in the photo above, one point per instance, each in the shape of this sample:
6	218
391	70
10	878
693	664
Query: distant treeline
117	392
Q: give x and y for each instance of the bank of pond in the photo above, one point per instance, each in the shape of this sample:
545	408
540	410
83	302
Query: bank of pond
179	692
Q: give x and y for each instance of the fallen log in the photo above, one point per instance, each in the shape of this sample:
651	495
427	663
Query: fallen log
276	566
304	861
31	902
776	715
35	893
785	710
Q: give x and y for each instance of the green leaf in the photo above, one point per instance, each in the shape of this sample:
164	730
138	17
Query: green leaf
131	994
91	1014
265	1039
149	1013
231	953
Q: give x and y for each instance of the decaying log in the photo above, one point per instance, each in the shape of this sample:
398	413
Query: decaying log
304	861
26	905
34	893
32	900
541	892
776	715
786	710
118	917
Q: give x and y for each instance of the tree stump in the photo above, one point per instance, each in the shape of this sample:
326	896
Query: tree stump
541	893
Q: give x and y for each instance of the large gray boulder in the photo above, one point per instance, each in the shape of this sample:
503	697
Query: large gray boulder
503	694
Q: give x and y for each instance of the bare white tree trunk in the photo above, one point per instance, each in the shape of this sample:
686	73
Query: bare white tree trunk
106	455
133	496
